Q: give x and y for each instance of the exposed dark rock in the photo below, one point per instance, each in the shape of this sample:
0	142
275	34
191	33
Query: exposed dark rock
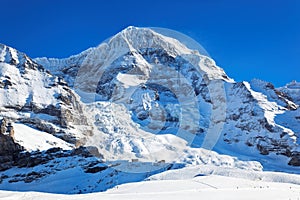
143	115
262	149
234	117
295	160
94	151
39	124
26	159
10	130
6	83
71	71
83	151
248	143
95	169
33	176
33	161
3	123
9	149
54	150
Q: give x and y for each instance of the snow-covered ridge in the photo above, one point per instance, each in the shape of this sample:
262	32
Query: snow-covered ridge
129	40
293	90
10	55
56	64
273	94
32	95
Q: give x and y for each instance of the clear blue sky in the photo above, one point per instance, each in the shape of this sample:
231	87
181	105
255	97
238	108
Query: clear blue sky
248	38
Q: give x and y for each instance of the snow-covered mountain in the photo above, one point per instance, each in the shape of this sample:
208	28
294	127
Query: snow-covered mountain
144	97
32	96
169	88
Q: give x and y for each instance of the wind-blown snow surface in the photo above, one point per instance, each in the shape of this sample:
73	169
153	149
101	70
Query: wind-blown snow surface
204	182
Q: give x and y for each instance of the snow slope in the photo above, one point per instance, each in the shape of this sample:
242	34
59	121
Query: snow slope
32	139
204	187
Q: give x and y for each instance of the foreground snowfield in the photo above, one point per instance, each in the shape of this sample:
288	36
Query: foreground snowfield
191	182
201	187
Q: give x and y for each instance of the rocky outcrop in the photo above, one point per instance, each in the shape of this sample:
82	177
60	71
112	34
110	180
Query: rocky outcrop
295	160
32	159
9	149
46	101
11	154
273	94
80	157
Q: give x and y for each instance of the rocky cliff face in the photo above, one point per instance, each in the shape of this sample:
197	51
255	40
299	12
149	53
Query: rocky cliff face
31	95
9	149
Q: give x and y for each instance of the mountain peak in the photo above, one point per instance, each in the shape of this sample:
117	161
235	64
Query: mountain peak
293	85
140	42
140	38
293	90
16	58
